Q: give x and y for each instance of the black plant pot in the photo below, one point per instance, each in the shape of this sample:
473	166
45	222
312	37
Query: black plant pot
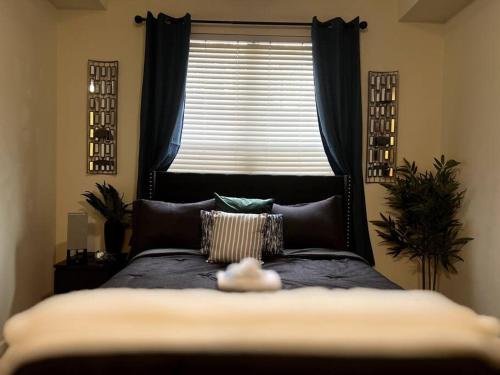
114	233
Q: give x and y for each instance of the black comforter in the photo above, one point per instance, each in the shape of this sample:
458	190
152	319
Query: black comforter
184	268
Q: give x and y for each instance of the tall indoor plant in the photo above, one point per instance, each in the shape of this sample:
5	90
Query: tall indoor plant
116	213
422	224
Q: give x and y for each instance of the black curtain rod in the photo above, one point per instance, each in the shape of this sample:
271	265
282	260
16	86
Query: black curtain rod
139	19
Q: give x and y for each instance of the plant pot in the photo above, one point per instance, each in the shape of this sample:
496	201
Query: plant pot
114	233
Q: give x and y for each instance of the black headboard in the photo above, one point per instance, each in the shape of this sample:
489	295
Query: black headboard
194	187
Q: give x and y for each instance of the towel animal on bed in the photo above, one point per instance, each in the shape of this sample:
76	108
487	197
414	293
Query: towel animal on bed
247	276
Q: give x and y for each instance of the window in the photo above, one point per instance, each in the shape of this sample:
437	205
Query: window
250	108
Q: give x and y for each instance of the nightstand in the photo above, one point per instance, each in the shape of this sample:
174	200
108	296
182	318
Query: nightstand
69	277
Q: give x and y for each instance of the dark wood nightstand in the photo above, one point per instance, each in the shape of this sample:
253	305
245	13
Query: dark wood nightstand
69	277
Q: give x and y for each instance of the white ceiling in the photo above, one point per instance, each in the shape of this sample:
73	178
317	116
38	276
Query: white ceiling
80	4
436	11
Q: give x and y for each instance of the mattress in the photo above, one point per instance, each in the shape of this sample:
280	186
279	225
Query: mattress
186	268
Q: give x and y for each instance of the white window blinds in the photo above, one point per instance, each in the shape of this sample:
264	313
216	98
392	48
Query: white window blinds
250	108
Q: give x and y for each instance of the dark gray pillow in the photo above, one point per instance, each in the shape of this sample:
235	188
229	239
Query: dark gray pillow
158	224
317	224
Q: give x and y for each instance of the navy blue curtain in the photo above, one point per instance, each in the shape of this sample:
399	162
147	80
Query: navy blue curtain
336	63
163	95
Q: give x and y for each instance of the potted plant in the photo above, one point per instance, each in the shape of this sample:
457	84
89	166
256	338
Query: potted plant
422	224
116	213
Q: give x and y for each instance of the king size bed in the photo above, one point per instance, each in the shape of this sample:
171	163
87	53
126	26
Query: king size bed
302	265
163	314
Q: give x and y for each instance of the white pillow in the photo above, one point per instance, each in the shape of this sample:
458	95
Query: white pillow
236	236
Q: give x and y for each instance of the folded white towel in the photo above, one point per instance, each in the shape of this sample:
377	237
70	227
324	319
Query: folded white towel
248	275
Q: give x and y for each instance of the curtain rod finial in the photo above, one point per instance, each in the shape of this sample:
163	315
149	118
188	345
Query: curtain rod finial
363	25
139	19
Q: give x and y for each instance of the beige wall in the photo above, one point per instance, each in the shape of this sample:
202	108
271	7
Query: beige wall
405	6
415	50
27	152
471	133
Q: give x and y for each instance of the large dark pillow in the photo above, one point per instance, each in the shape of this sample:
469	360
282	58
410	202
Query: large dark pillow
316	224
158	224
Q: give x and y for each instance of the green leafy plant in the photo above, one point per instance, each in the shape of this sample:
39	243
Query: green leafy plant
422	224
111	206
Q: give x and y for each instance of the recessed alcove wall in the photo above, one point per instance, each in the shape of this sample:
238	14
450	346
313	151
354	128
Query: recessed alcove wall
415	50
27	153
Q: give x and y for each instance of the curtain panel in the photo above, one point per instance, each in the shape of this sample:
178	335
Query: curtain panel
163	95
336	67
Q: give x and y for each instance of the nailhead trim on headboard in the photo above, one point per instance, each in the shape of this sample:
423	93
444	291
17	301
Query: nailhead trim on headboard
348	213
151	185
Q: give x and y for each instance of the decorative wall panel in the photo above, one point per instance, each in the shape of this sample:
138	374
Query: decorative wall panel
381	161
102	109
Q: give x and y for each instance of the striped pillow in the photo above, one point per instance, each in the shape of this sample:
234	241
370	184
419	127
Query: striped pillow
207	225
236	236
273	235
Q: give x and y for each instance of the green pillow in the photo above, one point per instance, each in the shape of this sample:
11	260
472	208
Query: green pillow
243	205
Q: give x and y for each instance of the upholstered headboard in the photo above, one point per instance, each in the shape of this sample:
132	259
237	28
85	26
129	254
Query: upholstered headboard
194	187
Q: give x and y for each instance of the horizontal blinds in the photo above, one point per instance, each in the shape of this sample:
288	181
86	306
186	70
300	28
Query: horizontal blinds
250	108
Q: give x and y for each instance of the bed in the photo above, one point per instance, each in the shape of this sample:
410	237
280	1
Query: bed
179	268
352	321
185	268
